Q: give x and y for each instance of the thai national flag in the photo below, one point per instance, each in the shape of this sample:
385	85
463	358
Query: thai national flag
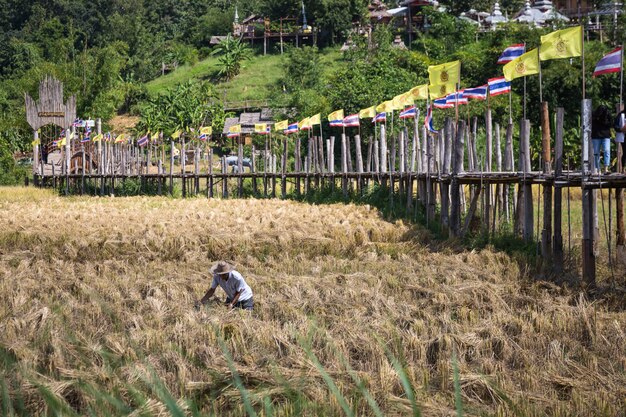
428	120
612	62
143	141
232	134
351	120
511	53
86	136
380	117
478	93
499	86
336	123
408	113
292	128
78	123
266	132
202	136
456	98
442	103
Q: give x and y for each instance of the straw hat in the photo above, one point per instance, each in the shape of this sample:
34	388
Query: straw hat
222	268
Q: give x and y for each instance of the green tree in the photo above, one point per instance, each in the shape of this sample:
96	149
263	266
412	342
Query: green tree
232	52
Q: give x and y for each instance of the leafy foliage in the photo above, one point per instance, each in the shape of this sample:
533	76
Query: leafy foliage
232	52
184	107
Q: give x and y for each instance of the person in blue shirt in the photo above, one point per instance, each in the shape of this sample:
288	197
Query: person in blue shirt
238	292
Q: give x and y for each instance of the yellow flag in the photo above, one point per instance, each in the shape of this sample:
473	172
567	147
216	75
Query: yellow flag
61	143
450	72
401	101
234	129
385	106
260	127
419	93
304	124
527	64
36	142
97	138
120	138
368	113
564	43
282	125
441	90
336	115
176	134
315	120
71	136
206	130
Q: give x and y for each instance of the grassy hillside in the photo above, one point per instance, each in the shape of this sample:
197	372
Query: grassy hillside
354	315
254	82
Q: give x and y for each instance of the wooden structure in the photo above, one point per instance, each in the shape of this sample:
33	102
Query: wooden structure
441	175
49	109
260	29
73	158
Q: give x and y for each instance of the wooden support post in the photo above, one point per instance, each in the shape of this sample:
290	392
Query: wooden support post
508	166
224	178
329	154
370	150
253	171
196	170
331	161
359	161
283	178
171	167
392	153
298	164
487	198
383	149
274	172
457	168
415	156
344	166
239	166
499	187
210	173
430	187
546	232
322	159
526	192
444	186
401	153
376	157
557	242
588	200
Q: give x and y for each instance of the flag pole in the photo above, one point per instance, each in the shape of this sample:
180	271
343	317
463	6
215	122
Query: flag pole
540	82
621	78
582	53
524	98
511	104
456	102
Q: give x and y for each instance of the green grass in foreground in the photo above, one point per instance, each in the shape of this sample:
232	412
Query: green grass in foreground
257	76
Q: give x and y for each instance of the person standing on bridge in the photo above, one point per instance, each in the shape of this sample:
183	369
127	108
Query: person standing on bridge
238	292
601	123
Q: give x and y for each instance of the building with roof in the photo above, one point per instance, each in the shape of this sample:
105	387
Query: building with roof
247	120
541	13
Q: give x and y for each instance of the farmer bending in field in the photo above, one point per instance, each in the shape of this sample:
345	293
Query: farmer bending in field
238	293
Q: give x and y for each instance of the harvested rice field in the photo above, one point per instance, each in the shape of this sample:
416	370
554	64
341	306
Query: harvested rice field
354	315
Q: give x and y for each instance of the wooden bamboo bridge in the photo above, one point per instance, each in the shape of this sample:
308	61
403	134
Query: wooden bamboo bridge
442	173
426	170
